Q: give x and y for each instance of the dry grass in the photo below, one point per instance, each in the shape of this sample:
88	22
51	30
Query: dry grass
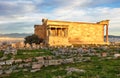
10	39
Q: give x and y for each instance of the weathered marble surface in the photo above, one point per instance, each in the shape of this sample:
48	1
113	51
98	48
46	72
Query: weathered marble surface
67	33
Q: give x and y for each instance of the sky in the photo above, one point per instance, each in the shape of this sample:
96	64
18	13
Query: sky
20	16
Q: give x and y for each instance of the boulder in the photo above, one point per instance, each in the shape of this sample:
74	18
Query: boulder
116	55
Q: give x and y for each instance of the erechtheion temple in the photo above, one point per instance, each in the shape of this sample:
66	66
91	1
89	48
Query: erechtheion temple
57	33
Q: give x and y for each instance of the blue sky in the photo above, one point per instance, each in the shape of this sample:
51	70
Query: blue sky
19	16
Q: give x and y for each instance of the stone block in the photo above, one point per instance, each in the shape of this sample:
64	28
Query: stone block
36	66
27	65
9	62
7	71
34	70
1	72
116	55
2	63
27	60
39	58
18	61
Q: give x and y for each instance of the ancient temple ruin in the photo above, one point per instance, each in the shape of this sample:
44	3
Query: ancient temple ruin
57	33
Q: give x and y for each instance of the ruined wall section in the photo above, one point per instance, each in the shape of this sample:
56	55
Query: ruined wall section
58	41
39	30
83	33
86	33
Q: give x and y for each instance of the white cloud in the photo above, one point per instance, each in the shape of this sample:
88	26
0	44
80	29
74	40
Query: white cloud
77	10
91	15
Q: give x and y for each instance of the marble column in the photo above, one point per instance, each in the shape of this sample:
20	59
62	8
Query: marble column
106	33
55	31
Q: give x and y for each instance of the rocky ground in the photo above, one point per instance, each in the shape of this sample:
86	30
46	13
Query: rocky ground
84	61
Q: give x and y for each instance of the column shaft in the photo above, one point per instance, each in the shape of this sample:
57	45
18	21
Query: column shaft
106	33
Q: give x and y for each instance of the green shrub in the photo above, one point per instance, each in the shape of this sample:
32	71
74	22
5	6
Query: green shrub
1	54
